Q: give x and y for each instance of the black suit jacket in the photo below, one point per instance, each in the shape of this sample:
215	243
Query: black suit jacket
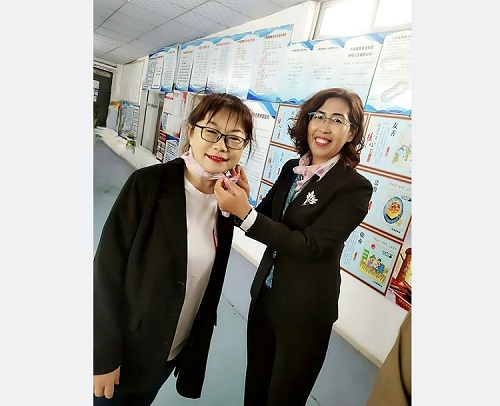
140	271
306	244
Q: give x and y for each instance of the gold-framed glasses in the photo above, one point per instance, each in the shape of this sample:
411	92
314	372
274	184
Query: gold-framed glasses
212	135
336	120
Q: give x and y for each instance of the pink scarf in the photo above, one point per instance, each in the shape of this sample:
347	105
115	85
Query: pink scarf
197	170
308	171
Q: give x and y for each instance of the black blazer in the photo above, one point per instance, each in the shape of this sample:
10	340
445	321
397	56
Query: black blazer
140	271
306	244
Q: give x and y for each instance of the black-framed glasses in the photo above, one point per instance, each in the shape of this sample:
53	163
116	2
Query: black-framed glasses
212	135
335	120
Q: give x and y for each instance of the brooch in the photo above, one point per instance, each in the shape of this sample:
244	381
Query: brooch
310	199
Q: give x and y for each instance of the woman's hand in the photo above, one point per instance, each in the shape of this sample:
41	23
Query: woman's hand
105	384
231	198
243	180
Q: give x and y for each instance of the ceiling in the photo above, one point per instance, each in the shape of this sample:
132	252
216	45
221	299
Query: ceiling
126	30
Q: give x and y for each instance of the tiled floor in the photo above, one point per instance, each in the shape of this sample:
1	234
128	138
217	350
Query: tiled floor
346	378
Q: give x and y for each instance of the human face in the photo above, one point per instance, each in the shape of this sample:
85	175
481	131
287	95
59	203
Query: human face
326	139
216	157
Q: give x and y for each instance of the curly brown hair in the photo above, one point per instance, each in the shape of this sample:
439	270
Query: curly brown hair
351	151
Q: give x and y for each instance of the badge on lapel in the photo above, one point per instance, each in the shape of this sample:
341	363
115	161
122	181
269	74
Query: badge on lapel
310	199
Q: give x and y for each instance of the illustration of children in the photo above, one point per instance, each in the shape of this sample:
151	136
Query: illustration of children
371	261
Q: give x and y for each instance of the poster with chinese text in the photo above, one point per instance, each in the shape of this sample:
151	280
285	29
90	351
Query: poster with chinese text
277	156
370	257
185	66
168	103
390	91
219	64
171	148
293	83
359	60
129	123
285	118
270	63
389	209
158	70
324	64
150	70
169	68
388	146
160	146
202	55
264	114
242	66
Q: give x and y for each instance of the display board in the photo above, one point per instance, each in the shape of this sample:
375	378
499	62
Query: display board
220	59
270	62
203	50
150	70
390	91
170	132
185	65
168	68
274	77
128	123
264	115
378	252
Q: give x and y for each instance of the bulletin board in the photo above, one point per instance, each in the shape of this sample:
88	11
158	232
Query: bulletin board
274	77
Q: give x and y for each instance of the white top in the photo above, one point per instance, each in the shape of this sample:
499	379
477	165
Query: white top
201	213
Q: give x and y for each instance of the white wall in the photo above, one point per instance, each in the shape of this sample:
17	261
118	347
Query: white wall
301	16
128	80
367	320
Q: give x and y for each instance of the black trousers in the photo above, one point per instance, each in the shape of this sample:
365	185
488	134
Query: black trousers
136	399
284	356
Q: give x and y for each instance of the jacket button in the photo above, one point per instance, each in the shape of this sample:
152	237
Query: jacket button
274	254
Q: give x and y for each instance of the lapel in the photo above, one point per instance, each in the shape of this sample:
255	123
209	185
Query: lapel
282	191
321	189
172	214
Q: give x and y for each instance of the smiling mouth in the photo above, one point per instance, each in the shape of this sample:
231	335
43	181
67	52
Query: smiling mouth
321	141
217	159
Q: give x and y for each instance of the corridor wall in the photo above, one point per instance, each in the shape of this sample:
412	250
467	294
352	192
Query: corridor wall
367	320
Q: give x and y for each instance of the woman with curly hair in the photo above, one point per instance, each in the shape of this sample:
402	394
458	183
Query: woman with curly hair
304	220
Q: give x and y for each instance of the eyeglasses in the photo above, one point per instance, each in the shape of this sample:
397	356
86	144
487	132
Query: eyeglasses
212	135
318	116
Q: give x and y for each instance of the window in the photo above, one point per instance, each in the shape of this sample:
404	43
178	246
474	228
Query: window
343	18
393	14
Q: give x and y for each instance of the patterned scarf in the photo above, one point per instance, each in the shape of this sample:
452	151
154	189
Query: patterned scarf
308	171
197	170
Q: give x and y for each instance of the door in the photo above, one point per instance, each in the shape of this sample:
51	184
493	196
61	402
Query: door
104	80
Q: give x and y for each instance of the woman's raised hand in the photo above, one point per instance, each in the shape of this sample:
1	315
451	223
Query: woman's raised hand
231	198
242	180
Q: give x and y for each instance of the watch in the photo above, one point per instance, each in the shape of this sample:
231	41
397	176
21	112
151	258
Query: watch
238	221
